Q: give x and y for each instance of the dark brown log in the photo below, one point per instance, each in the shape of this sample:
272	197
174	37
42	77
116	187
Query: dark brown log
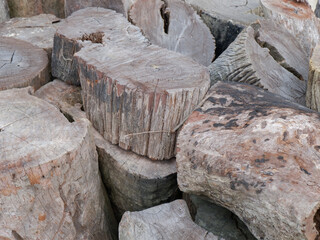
137	98
4	11
256	154
22	64
85	27
49	181
297	17
174	25
260	56
169	221
313	90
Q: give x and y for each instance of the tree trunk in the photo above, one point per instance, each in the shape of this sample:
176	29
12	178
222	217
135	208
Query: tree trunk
174	25
22	64
169	221
256	154
4	11
260	56
49	181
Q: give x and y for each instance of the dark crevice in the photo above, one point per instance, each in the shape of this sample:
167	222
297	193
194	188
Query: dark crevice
165	14
16	235
93	37
316	220
68	116
56	21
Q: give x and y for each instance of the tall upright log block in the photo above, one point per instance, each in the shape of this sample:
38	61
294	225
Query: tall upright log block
4	11
313	90
136	98
260	56
22	64
50	186
256	154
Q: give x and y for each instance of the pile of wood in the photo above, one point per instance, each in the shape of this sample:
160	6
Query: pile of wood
157	101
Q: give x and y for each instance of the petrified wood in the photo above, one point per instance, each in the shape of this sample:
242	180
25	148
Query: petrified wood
50	186
313	90
169	221
22	64
89	26
297	17
260	56
256	154
137	98
4	11
173	24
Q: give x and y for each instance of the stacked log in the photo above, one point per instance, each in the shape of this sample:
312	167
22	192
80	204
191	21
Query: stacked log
256	154
4	11
50	186
259	48
22	64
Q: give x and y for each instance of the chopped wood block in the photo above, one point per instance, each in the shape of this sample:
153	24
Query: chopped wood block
22	64
260	56
169	221
49	179
4	11
313	90
137	98
226	18
256	154
174	25
297	17
89	26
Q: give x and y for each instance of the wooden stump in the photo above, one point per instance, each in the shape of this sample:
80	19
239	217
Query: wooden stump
256	154
138	98
227	18
85	27
297	17
49	182
174	25
169	221
4	11
260	56
313	90
22	64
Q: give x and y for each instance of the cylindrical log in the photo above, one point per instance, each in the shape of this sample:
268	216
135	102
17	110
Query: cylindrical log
297	17
22	64
313	90
4	11
50	186
260	56
256	154
173	24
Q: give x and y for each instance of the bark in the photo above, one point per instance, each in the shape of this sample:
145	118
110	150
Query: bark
50	186
260	56
4	11
169	221
313	90
256	154
174	25
22	64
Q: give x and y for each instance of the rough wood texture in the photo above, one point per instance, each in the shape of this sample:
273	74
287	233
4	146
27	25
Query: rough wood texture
28	8
260	56
85	27
297	17
136	98
50	186
22	64
226	18
174	25
4	11
169	221
256	154
313	90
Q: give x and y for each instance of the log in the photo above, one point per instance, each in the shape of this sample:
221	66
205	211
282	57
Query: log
85	27
4	11
260	56
256	154
22	64
297	17
138	98
317	10
49	181
169	221
174	25
226	19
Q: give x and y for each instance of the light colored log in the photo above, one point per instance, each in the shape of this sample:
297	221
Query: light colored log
22	64
169	221
4	11
256	154
173	24
313	90
260	56
50	186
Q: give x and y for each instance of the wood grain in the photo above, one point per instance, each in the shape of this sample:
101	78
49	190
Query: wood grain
313	90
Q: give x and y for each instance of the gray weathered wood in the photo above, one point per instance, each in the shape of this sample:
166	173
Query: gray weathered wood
260	56
22	64
169	221
50	186
256	154
4	11
137	97
173	24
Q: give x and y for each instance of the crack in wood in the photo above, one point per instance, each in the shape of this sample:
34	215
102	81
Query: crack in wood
165	14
